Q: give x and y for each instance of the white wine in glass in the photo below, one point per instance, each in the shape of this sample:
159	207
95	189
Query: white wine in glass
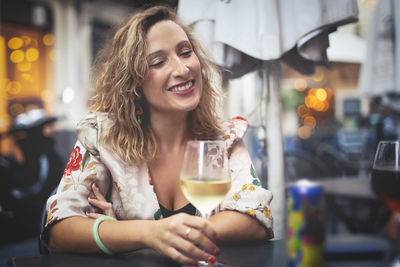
205	178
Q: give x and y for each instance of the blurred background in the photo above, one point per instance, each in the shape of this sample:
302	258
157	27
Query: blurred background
331	118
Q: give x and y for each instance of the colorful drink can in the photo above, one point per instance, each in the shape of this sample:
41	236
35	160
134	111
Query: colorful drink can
305	236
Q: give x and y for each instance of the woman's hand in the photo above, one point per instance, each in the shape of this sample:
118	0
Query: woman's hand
101	203
181	238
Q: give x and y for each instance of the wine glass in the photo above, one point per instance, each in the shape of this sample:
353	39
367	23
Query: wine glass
204	177
385	182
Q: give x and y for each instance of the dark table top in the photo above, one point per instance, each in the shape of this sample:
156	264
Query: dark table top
271	253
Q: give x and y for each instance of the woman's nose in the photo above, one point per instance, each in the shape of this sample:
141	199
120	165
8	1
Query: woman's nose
179	67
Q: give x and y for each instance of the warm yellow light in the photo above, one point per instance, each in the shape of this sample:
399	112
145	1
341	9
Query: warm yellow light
300	84
304	132
24	66
310	121
321	94
319	106
4	83
48	39
302	110
15	43
46	95
16	109
17	56
32	54
14	88
52	55
27	77
27	40
311	101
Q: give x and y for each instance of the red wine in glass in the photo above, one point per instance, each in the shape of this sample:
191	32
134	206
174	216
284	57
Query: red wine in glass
386	185
385	182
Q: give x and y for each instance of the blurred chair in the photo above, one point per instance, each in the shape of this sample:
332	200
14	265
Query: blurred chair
42	248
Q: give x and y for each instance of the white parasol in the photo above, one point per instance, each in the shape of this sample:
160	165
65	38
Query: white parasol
380	73
256	34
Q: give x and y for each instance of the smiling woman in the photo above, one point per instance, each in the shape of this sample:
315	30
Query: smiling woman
156	89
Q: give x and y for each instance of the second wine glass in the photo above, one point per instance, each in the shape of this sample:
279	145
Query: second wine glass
385	182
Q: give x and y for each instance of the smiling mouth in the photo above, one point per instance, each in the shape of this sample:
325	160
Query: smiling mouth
182	87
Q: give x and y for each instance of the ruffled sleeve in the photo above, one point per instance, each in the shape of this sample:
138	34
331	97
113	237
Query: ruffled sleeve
83	168
246	194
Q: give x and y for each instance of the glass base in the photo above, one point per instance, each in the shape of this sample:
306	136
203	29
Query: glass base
215	264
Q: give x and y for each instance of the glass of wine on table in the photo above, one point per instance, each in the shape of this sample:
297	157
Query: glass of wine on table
385	182
205	178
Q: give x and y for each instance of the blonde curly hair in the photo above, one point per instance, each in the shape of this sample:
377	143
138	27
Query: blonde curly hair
120	73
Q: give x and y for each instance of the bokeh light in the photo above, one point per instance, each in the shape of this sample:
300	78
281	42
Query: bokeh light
302	110
24	66
48	39
321	94
32	54
27	77
16	109
304	132
311	101
15	43
17	56
14	88
300	84
310	121
27	40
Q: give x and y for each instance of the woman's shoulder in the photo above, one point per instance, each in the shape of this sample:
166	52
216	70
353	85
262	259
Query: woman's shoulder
234	128
94	120
88	129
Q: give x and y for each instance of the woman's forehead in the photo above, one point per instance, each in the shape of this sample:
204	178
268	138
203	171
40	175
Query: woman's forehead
164	33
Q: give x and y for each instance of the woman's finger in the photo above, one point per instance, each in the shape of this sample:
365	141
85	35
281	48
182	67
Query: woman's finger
198	238
179	257
203	226
104	205
93	215
97	192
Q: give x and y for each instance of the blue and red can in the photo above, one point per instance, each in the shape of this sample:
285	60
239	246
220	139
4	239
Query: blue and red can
305	237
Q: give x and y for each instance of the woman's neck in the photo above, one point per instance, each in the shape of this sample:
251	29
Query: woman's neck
171	131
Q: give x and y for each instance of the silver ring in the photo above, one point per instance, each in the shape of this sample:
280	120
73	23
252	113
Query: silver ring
188	232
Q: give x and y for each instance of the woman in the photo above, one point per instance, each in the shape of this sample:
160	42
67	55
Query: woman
156	89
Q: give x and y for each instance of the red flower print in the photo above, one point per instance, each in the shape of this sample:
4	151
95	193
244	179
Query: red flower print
73	162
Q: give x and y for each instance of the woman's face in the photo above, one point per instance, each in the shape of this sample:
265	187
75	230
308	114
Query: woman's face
173	82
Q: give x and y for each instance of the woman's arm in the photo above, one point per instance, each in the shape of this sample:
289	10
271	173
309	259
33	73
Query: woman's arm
245	228
168	236
245	204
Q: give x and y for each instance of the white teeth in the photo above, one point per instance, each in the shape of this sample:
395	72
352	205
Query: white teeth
182	87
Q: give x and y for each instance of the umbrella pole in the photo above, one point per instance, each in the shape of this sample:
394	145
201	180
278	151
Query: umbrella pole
274	140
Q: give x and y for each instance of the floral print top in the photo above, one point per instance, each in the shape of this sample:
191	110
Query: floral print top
129	187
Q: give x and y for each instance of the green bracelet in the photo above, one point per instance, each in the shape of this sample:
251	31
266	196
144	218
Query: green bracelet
96	236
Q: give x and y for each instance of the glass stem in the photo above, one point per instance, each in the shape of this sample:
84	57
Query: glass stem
397	242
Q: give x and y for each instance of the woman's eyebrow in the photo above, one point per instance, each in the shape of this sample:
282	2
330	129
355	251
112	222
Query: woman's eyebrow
155	54
183	43
163	52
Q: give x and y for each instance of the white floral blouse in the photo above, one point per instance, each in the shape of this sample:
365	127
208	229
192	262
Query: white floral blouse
130	188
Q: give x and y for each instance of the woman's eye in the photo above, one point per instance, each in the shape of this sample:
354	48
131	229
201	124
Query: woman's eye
186	53
156	64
